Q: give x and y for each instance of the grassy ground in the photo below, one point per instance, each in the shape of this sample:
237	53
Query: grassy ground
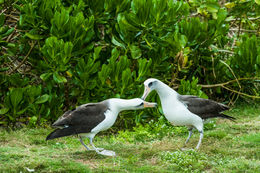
228	147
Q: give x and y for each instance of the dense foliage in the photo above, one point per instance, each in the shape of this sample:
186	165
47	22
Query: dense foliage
57	54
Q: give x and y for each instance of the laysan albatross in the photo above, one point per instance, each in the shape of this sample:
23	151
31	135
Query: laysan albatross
185	110
89	119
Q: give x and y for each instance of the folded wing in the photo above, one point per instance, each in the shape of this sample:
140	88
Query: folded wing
204	108
81	120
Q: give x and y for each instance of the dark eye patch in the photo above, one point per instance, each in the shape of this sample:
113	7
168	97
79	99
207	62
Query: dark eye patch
140	104
150	84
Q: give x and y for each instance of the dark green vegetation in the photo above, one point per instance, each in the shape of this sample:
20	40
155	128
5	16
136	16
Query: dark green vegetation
58	54
227	147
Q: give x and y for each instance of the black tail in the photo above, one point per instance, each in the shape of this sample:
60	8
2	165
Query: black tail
61	133
227	117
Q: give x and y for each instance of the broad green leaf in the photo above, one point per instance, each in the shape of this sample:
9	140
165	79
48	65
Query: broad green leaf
135	52
34	36
97	50
116	42
257	2
22	111
3	111
221	15
4	69
10	117
33	120
213	8
126	79
58	78
124	24
32	92
45	76
21	20
3	43
183	41
8	32
2	19
11	45
68	46
230	4
42	99
258	59
16	96
3	29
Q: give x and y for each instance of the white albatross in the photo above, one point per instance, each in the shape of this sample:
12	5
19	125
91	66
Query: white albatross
89	119
185	110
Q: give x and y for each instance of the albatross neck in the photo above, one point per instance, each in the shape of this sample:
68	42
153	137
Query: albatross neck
122	104
165	91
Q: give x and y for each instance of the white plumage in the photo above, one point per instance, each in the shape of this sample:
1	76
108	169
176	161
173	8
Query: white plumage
185	110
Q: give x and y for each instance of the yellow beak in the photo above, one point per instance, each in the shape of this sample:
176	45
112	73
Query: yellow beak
148	104
147	90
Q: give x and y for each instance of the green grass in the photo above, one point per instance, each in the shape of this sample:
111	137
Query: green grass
227	147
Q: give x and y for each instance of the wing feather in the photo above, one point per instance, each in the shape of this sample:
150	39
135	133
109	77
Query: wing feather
85	116
205	108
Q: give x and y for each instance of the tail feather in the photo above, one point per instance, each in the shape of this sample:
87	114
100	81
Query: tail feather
227	117
61	133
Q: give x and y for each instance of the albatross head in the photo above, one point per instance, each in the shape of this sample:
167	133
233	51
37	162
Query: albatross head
131	104
149	85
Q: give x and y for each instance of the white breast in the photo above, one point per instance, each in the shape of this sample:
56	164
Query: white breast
177	113
109	120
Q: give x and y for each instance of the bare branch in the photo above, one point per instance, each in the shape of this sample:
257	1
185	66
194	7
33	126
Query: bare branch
27	55
228	82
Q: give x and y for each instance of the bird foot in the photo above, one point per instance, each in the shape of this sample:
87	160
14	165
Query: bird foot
99	149
107	153
186	149
95	149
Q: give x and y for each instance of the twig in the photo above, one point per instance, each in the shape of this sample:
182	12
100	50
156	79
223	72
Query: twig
13	17
243	30
231	72
250	18
32	46
213	66
226	83
239	27
226	51
244	94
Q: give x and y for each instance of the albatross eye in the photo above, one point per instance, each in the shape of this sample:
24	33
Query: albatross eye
141	104
150	84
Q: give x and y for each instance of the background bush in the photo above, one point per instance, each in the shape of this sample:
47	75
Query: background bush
58	54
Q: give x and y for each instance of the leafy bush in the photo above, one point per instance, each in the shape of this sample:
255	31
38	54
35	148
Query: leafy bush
191	88
82	51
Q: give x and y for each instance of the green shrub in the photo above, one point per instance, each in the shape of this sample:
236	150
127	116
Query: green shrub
76	52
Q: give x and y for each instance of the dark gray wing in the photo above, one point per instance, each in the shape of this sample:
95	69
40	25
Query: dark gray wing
204	108
81	120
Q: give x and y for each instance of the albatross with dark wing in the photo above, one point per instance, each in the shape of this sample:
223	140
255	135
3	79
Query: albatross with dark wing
89	119
185	109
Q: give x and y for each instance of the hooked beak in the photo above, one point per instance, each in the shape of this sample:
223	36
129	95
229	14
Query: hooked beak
147	90
148	104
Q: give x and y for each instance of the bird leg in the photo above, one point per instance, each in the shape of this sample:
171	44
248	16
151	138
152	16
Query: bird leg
190	133
81	141
201	136
103	152
94	148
